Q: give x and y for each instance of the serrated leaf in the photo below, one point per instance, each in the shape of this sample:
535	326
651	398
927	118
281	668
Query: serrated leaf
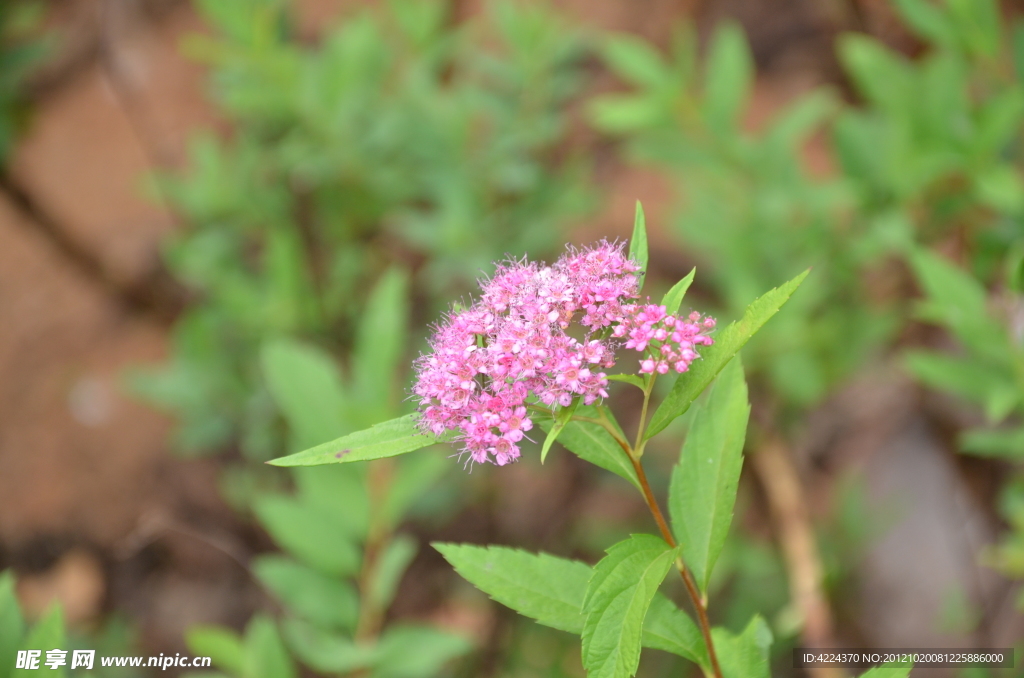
325	601
618	595
591	442
638	243
673	299
727	79
391	565
713	358
311	535
306	384
562	418
408	651
745	655
47	634
265	654
539	586
702	493
670	629
222	645
389	439
12	624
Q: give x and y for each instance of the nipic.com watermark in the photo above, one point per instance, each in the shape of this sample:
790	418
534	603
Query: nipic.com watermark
86	659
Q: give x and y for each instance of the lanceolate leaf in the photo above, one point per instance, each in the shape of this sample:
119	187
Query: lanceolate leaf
551	590
593	443
390	439
674	297
540	586
638	243
561	419
703	489
728	342
628	379
618	596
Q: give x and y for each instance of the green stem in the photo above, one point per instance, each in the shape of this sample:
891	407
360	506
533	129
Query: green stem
638	446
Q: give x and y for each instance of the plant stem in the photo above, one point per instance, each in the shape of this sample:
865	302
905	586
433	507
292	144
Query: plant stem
638	446
659	518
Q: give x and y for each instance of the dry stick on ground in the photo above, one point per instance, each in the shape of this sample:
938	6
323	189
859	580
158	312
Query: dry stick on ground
778	476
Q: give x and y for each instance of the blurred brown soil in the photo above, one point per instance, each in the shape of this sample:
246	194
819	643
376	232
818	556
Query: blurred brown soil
98	512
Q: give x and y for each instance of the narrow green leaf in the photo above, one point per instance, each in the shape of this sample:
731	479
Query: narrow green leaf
265	654
670	629
728	343
633	379
745	655
391	565
222	645
311	535
635	60
727	79
562	418
673	299
539	586
1004	443
389	439
591	442
325	601
703	489
380	341
306	384
12	624
638	243
618	596
47	634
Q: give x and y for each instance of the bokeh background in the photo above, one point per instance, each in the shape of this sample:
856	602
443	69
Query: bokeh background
226	226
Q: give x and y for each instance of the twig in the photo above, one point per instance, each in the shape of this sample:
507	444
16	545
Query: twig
774	469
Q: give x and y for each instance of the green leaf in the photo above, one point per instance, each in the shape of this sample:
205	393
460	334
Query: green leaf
591	442
551	591
673	299
562	418
633	379
12	624
638	243
618	596
727	78
391	565
389	439
970	379
326	652
340	491
305	383
928	21
47	634
703	489
635	60
888	671
727	344
265	654
670	629
407	651
222	645
325	601
380	342
1004	443
415	475
745	655
311	535
539	586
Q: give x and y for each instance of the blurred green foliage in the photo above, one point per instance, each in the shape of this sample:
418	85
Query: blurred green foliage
397	138
21	48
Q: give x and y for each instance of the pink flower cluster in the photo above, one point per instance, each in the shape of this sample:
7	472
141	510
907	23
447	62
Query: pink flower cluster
487	361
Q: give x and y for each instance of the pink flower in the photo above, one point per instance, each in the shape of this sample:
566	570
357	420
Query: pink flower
511	349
